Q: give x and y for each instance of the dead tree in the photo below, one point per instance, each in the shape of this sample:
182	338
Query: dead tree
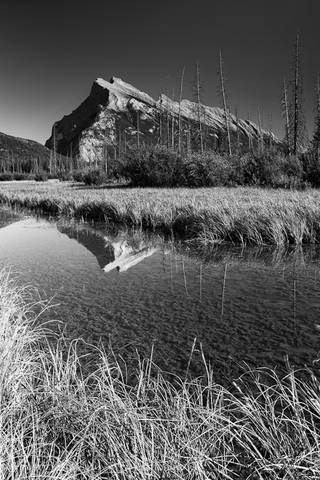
286	116
199	106
71	159
167	120
172	124
138	128
160	140
238	131
261	142
297	118
224	101
250	139
179	117
296	96
50	163
54	151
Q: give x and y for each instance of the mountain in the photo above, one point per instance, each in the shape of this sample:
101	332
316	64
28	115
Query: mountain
21	151
117	114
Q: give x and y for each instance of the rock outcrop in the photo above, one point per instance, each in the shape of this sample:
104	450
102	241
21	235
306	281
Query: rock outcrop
116	114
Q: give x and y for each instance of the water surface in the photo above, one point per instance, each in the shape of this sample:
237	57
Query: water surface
135	290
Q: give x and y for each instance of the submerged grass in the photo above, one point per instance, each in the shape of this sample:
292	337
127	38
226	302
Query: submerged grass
243	215
59	422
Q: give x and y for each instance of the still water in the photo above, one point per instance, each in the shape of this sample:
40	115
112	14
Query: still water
134	290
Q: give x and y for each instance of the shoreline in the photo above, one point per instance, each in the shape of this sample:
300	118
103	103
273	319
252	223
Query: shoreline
243	215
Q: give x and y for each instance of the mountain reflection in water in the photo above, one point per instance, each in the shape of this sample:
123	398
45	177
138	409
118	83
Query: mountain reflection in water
123	249
252	305
113	252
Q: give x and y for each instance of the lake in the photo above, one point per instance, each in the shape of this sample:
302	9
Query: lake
133	290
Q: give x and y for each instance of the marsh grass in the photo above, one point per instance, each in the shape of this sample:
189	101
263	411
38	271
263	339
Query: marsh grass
252	216
60	421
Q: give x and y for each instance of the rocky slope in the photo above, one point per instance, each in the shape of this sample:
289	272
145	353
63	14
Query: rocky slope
116	115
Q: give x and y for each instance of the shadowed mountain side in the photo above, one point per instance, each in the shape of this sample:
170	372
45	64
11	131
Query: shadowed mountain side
17	153
92	240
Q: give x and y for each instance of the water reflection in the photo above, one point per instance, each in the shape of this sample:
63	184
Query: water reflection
244	305
113	251
121	249
9	216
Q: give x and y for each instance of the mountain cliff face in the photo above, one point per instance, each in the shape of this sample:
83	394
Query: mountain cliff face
117	114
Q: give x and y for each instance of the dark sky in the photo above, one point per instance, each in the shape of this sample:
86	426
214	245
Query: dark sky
51	52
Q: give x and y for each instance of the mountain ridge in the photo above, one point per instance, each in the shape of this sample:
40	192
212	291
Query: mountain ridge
115	109
17	152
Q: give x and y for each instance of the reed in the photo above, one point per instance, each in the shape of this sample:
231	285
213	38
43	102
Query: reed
253	216
58	421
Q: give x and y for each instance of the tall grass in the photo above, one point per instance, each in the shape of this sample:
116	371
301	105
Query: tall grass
252	216
59	422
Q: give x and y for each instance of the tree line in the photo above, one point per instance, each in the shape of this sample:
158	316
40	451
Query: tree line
186	136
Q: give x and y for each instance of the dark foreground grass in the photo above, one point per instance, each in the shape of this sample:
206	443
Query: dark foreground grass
58	422
208	215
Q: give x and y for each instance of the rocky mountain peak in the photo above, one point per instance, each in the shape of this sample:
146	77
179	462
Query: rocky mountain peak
116	111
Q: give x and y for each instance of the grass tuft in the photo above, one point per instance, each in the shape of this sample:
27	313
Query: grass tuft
58	421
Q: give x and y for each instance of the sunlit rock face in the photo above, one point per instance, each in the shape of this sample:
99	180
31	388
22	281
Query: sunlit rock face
116	111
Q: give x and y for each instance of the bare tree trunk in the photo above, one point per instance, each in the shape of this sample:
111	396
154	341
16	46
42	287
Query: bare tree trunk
138	128
179	119
119	143
238	132
168	124
54	151
13	163
160	123
50	163
199	108
249	136
172	124
106	156
71	159
223	94
188	139
261	145
296	97
286	113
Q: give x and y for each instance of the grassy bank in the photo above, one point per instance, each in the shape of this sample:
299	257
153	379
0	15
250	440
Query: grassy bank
209	215
57	422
